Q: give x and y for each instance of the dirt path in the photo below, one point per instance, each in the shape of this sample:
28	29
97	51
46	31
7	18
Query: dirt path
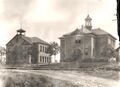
74	77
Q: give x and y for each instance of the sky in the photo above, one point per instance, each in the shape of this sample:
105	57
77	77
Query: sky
50	19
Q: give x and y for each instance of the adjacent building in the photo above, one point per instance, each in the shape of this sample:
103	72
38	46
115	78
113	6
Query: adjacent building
85	43
2	55
118	53
26	50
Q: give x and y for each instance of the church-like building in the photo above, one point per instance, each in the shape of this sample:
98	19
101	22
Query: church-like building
26	50
85	43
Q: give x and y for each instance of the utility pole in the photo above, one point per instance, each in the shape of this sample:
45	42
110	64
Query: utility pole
118	19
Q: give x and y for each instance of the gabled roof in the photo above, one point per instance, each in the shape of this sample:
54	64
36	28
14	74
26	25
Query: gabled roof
99	31
84	30
37	40
30	40
79	32
27	39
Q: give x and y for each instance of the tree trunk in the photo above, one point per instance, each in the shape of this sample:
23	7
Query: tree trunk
55	58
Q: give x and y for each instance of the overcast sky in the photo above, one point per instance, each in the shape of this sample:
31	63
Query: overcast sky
50	19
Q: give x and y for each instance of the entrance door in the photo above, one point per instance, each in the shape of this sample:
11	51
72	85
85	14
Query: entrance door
77	54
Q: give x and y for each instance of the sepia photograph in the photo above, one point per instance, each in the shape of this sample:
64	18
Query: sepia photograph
59	43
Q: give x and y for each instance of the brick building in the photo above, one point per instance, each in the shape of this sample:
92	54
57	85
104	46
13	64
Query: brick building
85	43
26	50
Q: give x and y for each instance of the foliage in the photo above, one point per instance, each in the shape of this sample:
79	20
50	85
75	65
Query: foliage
53	48
109	51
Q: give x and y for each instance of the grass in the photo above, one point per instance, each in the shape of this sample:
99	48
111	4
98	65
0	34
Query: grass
114	75
17	79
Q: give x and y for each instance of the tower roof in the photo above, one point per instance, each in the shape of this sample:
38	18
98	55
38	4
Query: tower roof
20	30
88	18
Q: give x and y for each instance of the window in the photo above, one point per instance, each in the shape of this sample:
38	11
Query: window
78	41
86	51
40	48
43	48
43	59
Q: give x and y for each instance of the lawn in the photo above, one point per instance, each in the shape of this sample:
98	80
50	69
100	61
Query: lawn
21	79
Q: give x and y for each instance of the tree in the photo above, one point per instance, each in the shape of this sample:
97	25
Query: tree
109	51
53	49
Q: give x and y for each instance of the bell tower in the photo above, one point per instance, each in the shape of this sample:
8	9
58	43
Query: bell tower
21	32
88	23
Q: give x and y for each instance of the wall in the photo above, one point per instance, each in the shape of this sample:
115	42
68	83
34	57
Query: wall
69	46
43	56
101	43
17	51
62	49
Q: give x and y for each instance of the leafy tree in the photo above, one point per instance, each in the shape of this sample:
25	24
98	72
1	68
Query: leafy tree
53	49
109	51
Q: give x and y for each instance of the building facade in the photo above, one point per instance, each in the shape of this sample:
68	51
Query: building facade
26	50
85	43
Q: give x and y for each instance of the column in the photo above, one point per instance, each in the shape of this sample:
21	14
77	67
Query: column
45	59
30	59
92	46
